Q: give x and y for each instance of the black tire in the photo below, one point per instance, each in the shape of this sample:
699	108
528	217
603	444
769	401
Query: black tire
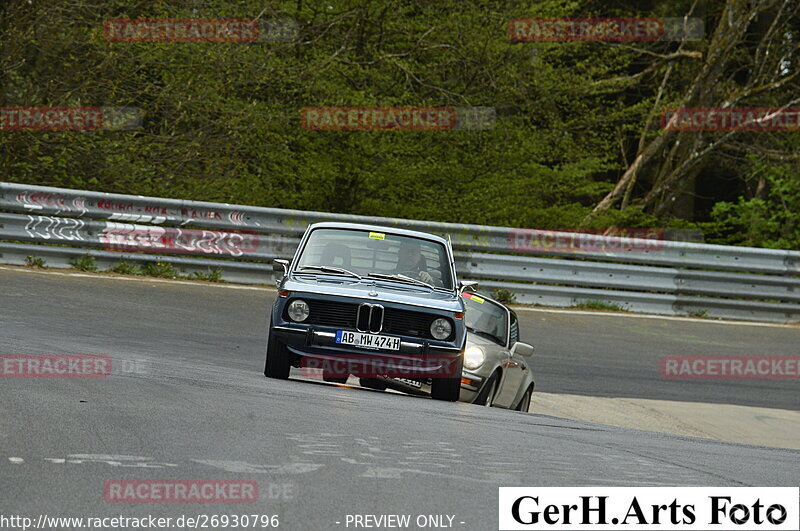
372	383
525	402
488	391
448	389
328	377
277	362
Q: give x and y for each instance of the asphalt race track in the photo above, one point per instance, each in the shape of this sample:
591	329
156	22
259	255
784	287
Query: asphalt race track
607	355
187	400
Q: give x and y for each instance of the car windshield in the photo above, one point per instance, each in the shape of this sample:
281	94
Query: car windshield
485	318
351	252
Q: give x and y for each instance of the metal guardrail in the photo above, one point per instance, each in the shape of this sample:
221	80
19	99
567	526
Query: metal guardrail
653	276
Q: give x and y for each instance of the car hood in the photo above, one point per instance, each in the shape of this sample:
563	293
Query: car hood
385	291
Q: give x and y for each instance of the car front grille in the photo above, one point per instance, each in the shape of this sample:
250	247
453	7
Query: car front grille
395	321
329	313
408	323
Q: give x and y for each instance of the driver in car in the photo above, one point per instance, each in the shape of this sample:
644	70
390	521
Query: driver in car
411	260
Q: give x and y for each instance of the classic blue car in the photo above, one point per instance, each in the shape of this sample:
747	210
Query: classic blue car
370	301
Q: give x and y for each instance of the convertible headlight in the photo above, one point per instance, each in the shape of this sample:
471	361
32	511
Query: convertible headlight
474	357
298	310
441	328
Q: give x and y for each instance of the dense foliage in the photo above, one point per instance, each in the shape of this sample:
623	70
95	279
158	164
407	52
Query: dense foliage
577	141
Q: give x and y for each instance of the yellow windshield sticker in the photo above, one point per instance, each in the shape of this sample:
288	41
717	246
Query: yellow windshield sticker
377	235
472	297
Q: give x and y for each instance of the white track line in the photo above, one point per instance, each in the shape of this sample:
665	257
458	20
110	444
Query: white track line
22	269
137	279
649	316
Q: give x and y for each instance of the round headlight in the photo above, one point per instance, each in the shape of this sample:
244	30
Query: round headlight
298	310
441	328
474	357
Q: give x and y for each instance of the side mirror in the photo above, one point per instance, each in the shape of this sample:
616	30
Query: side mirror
523	349
279	265
467	285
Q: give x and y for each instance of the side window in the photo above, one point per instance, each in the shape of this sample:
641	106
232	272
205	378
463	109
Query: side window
514	329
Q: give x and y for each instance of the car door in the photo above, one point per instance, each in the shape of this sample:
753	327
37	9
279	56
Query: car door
512	367
520	362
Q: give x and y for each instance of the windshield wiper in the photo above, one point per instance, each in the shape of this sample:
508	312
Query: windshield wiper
401	278
329	269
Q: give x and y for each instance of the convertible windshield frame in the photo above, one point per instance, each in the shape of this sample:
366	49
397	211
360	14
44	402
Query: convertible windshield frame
503	341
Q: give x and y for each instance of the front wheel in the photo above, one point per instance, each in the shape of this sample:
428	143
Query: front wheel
525	401
277	361
332	378
373	383
448	389
486	396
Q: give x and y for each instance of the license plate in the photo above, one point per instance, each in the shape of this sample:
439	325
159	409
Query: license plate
374	341
412	383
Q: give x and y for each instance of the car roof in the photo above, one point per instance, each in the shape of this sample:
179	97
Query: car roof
378	228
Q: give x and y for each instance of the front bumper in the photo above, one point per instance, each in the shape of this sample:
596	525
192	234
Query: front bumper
428	360
470	385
